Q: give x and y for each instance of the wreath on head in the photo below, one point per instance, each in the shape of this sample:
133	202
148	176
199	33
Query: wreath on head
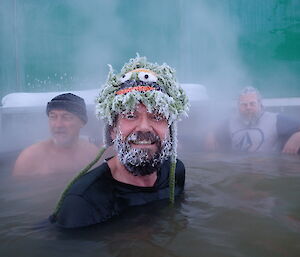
141	81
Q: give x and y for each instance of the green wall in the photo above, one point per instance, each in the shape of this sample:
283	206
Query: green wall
222	44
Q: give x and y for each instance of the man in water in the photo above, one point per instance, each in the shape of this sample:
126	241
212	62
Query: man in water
254	130
140	108
64	151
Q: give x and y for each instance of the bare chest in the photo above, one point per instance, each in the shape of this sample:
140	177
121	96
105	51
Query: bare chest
57	162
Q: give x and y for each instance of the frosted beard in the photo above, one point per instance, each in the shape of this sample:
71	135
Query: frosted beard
138	161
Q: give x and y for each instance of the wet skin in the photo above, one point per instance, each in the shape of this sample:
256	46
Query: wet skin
64	127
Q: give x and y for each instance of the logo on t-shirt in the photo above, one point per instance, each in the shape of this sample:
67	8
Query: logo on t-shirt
247	140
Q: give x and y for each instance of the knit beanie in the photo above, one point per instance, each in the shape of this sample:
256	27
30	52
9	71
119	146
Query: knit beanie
71	103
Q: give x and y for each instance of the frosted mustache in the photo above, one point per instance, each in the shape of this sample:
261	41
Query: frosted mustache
140	136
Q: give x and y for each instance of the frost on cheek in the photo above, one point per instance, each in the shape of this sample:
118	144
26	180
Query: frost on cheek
141	161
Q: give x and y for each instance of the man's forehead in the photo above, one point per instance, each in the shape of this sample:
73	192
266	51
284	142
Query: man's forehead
141	108
250	97
61	112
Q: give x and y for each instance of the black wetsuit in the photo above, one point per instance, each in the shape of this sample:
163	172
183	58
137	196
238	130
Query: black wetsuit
97	196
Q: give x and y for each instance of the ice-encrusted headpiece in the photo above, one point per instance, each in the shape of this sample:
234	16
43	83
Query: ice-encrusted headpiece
142	82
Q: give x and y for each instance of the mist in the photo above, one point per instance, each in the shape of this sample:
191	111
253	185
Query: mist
220	45
232	203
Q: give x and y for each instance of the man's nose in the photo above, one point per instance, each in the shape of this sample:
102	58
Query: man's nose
144	124
58	122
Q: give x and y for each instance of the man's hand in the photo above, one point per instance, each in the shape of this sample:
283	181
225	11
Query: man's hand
292	145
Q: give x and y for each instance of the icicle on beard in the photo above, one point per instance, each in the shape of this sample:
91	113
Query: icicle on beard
141	162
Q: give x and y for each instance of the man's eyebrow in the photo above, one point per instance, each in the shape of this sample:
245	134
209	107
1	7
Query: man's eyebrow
67	115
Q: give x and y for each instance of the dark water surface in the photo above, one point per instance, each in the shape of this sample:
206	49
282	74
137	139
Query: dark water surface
246	205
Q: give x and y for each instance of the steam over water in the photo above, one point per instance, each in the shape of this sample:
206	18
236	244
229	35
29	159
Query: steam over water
243	205
234	205
224	45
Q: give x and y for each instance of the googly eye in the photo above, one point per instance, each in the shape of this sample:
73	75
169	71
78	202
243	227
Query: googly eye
147	77
125	77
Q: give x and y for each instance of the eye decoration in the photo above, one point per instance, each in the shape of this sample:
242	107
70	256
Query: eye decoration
147	77
125	77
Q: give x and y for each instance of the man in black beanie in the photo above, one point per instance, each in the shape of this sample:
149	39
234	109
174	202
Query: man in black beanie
69	102
64	151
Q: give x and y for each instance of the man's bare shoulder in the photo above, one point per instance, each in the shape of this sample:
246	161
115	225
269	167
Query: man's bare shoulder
31	156
36	149
85	145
